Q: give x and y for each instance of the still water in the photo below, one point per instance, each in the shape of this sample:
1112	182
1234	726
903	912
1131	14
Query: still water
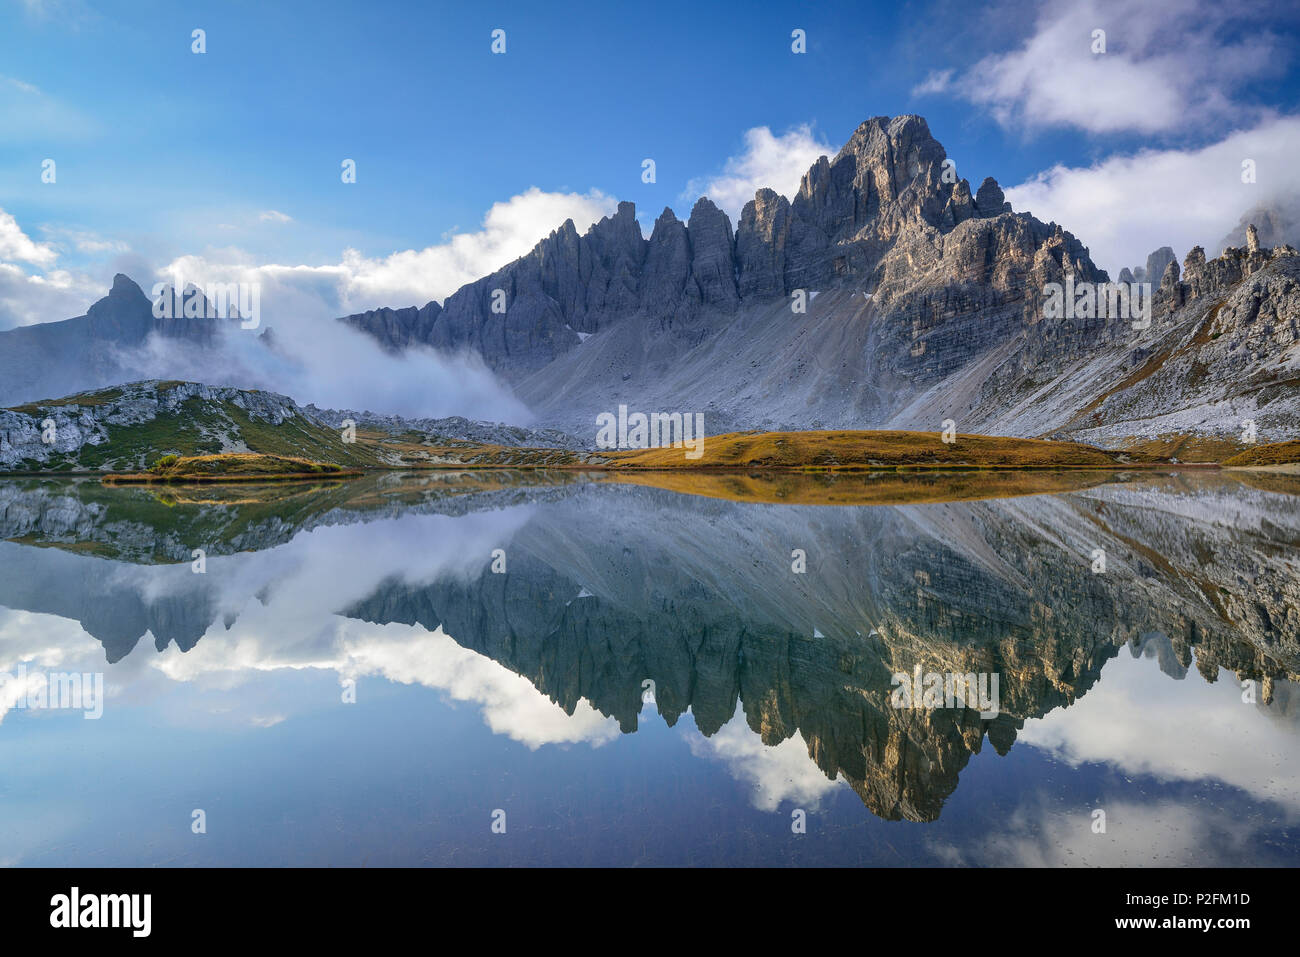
486	668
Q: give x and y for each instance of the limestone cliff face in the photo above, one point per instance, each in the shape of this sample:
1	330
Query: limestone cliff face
886	214
396	329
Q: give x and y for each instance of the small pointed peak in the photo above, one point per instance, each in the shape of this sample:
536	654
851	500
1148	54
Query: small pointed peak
627	209
125	287
705	214
667	216
908	121
990	200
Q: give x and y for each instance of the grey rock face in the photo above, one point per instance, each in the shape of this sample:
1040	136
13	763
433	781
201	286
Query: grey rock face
882	205
78	421
453	427
1158	262
990	199
713	260
56	358
925	303
667	284
396	329
760	245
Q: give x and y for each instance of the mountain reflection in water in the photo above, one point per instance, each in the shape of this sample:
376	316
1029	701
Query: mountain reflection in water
624	606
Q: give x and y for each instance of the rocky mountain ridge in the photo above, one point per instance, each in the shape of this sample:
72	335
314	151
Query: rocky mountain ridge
886	294
924	303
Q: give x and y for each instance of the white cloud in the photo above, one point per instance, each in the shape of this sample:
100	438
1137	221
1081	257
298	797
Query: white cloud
778	773
274	216
60	294
411	277
1142	723
1166	68
511	704
17	245
84	240
317	360
331	364
284	605
938	81
1124	207
776	162
27	298
1163	833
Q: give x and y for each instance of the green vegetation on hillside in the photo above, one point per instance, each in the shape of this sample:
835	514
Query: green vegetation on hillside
195	427
88	399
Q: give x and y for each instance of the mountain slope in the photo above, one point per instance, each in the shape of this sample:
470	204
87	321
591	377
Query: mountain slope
127	428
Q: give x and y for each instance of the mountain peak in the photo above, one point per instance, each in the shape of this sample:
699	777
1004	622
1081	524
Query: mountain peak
124	287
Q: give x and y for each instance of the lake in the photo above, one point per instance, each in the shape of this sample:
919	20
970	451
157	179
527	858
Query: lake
493	668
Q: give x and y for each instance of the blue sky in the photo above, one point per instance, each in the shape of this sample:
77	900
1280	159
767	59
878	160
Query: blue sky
229	161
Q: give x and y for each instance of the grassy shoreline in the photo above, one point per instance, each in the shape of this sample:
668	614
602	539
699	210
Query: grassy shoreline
850	452
146	478
175	469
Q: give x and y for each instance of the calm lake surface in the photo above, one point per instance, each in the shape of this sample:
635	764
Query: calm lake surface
650	676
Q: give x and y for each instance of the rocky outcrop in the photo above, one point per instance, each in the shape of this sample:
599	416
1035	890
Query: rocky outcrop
713	256
126	428
452	428
397	329
61	433
525	314
1158	264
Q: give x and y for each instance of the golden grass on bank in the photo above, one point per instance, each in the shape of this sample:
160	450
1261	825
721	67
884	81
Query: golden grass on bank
865	488
231	467
1272	453
866	450
1185	448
